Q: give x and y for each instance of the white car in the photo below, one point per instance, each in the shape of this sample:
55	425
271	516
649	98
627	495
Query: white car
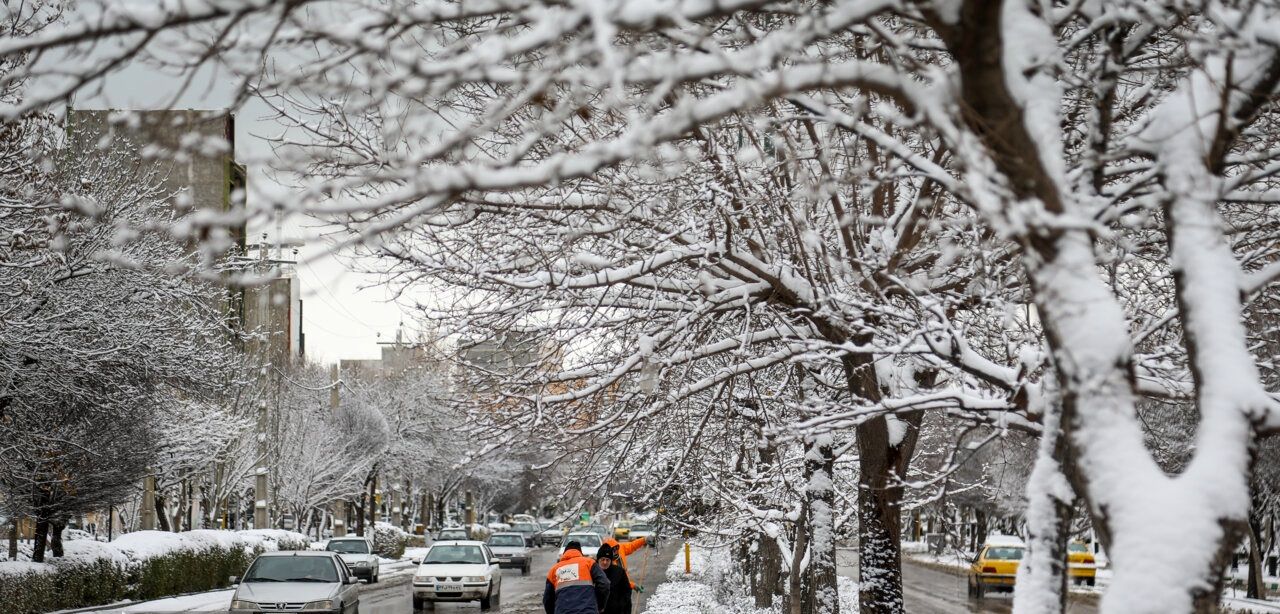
590	543
461	570
299	580
645	530
358	555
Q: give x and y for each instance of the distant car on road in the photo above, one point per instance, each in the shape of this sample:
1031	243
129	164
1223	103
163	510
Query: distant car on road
458	571
296	580
590	543
599	529
511	551
646	530
996	566
622	530
452	534
529	530
358	555
550	535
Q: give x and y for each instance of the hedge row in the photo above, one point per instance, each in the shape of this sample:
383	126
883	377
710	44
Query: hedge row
98	582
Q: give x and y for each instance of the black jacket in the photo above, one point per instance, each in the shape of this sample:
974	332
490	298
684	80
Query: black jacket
619	591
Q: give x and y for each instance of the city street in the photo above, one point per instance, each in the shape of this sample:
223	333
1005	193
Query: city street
520	594
932	591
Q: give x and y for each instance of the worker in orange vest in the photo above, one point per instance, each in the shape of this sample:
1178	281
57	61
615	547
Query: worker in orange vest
575	584
624	550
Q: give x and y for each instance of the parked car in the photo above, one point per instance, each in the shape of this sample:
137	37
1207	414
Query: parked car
511	550
358	555
996	565
590	542
452	534
315	581
458	571
550	535
646	530
1082	568
529	530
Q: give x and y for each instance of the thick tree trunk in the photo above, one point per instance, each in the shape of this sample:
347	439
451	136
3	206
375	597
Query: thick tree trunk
1255	586
42	539
55	537
820	593
1042	575
883	457
373	501
13	538
162	517
360	515
766	581
795	600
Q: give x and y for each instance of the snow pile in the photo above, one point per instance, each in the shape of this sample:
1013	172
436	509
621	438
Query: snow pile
713	587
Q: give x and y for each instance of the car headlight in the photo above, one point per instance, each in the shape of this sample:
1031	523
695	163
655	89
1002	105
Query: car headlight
326	604
237	604
362	563
474	579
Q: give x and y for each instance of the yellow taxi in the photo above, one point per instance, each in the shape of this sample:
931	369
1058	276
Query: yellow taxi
996	566
622	530
1082	568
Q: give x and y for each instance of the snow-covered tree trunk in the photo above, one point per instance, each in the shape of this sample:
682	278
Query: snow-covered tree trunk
819	591
1042	574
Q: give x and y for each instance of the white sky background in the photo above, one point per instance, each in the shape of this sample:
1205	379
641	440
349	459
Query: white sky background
340	319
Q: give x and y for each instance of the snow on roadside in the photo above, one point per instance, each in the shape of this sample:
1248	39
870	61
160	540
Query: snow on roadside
713	587
138	546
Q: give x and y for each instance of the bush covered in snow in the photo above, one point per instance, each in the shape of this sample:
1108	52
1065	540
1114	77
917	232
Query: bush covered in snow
389	540
139	565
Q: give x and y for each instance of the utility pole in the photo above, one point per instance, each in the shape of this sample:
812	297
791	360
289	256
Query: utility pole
339	510
260	517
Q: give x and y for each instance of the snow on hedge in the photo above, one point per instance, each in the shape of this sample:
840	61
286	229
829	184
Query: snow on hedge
138	546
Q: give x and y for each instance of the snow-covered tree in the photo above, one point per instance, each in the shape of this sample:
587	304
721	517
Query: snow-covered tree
1109	163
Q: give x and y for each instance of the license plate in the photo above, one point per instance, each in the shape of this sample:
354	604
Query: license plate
449	588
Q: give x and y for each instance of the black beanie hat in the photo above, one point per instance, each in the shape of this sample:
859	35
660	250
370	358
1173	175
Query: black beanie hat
573	545
607	552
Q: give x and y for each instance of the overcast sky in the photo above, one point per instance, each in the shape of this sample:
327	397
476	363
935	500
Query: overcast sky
343	311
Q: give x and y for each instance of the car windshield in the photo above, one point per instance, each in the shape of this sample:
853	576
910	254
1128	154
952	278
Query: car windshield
1077	548
454	555
348	546
459	534
525	527
506	540
1004	554
292	569
588	540
641	527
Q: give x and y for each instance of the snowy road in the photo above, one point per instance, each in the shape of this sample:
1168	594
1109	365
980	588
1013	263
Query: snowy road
520	594
930	591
